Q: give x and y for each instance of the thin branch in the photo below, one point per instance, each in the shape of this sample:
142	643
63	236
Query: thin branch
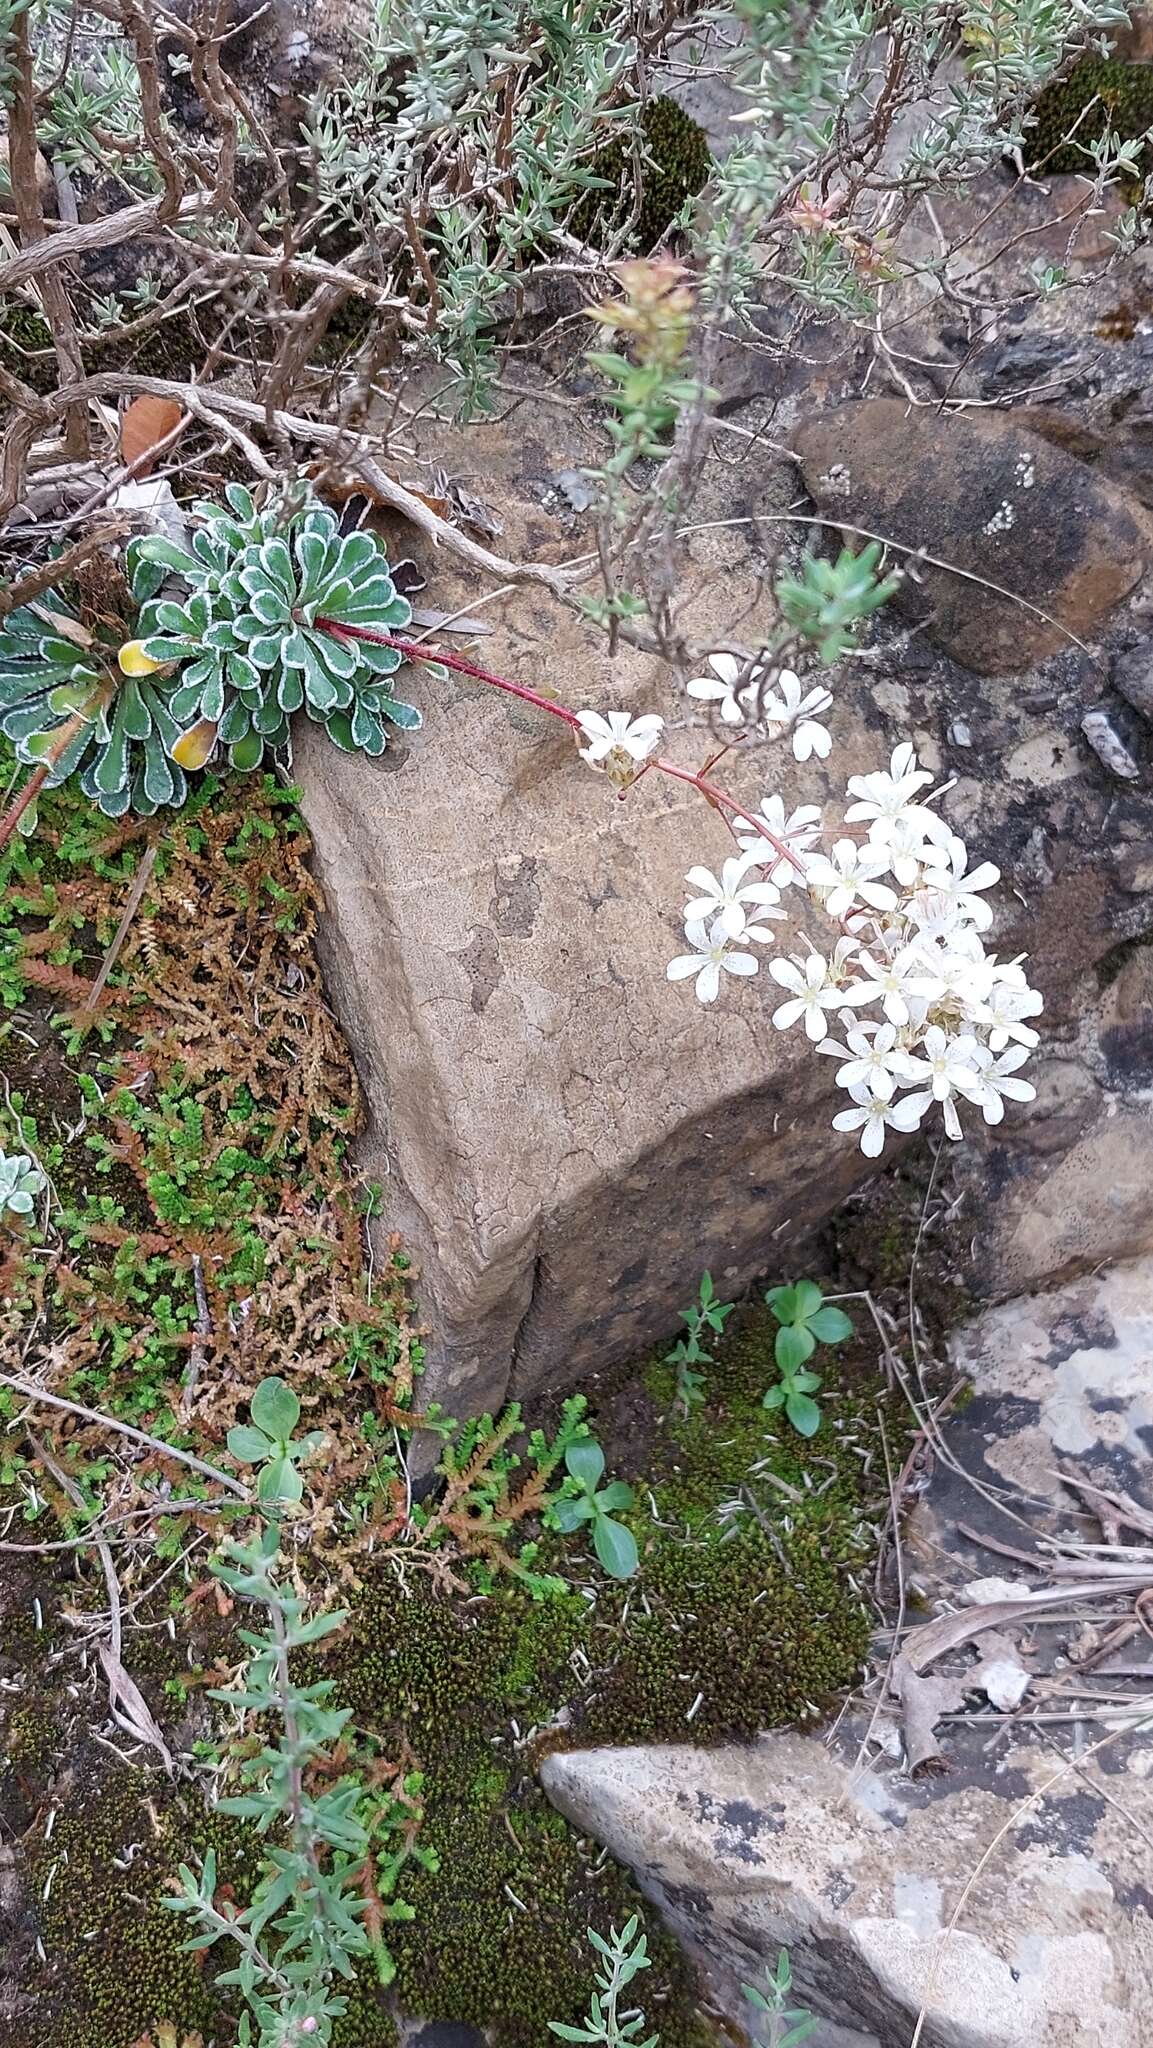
356	453
124	226
51	573
139	885
139	1436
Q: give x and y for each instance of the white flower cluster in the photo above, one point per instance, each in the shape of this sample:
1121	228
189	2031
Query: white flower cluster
949	1020
743	698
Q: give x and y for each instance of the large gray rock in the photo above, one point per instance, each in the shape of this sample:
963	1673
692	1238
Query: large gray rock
999	505
566	1139
858	1875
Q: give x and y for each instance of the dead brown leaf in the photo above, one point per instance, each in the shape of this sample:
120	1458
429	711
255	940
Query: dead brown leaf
130	1709
923	1701
144	425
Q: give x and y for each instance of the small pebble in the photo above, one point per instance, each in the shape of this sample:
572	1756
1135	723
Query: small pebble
1108	745
959	733
578	491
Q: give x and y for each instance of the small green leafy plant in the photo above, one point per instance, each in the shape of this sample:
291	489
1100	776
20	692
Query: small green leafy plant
706	1313
265	626
304	1926
20	1183
828	600
248	635
615	1545
67	707
806	1320
777	2025
623	1957
268	1441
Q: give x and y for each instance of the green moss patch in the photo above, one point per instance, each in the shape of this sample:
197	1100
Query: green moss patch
746	1615
1101	95
677	165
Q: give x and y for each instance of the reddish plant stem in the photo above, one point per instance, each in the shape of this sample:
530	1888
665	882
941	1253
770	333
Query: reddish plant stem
725	802
414	651
28	795
39	776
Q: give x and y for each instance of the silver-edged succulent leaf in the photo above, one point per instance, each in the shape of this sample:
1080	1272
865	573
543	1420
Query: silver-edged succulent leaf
256	633
123	730
21	1181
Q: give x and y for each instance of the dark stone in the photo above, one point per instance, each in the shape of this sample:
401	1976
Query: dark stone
1132	674
1002	506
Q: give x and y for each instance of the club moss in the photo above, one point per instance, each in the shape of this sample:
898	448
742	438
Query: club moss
115	1960
1100	95
498	1937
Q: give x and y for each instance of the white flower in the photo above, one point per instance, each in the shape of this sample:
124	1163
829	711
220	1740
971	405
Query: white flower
994	1079
727	897
619	742
1006	1005
710	955
890	982
950	1066
887	794
946	877
910	840
789	709
875	1061
850	872
721	687
799	831
814	989
874	1113
957	968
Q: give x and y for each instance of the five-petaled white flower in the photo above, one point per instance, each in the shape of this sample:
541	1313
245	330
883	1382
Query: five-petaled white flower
911	841
732	899
888	793
894	982
735	705
873	1113
814	988
949	1066
798	831
994	1079
946	879
789	708
618	742
711	953
1007	1004
873	1059
849	873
